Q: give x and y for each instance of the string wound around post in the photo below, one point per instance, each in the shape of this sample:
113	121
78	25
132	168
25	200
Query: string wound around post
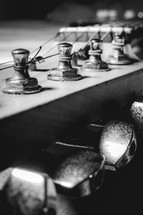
95	63
119	57
64	71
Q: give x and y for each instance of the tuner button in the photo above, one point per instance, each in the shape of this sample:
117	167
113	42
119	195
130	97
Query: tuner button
21	82
79	173
95	63
64	71
136	113
29	192
118	144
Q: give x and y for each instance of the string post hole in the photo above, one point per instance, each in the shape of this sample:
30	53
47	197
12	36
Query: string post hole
64	71
119	57
21	82
95	63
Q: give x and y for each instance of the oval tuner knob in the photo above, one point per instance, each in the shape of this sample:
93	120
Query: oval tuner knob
136	113
95	63
21	82
64	71
79	173
119	57
118	144
27	192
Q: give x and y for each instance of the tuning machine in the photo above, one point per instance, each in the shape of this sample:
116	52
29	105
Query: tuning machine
119	57
79	173
118	144
64	71
95	63
136	113
21	82
27	192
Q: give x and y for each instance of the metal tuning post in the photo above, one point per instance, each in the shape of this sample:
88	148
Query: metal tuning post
21	82
64	71
119	57
95	63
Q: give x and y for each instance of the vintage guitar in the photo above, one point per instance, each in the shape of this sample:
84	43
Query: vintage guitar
55	109
40	103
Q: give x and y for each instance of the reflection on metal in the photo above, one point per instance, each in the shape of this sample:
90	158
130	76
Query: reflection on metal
30	193
95	63
136	112
27	176
21	82
65	71
79	173
118	144
119	57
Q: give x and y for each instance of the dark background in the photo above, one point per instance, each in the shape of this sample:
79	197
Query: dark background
30	9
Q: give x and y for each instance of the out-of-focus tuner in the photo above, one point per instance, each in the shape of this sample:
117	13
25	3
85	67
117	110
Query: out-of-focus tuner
119	57
95	63
21	82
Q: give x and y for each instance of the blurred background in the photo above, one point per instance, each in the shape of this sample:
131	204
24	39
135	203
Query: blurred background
21	21
67	10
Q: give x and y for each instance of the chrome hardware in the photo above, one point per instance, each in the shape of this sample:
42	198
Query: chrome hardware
28	192
21	82
136	113
118	144
119	57
79	173
95	62
65	71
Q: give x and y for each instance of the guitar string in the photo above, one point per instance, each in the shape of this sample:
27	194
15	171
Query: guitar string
39	49
77	39
48	41
104	36
49	56
130	22
65	38
45	43
54	47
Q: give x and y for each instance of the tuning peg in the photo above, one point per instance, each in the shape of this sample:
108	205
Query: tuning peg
27	192
64	71
118	144
136	113
119	57
21	82
95	63
79	173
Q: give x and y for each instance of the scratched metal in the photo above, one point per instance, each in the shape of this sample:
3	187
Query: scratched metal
117	143
79	173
